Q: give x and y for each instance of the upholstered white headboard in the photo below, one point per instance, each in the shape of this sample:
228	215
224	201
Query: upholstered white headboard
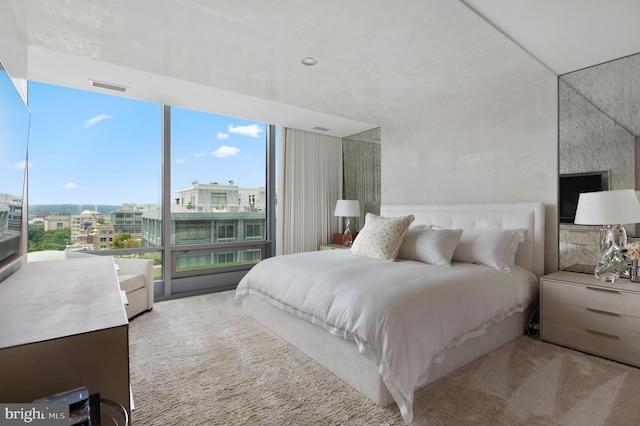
529	216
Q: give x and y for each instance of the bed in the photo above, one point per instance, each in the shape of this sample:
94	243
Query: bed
388	328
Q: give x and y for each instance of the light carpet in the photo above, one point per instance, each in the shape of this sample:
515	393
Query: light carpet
200	361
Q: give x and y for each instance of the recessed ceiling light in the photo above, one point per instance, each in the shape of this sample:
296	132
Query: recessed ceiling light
309	61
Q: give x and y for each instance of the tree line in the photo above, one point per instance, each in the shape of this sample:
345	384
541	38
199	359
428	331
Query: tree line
59	239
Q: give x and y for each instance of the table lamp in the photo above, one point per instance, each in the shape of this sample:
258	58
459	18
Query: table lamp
347	209
610	209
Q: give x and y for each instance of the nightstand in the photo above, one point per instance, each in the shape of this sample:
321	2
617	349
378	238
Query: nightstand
333	246
580	312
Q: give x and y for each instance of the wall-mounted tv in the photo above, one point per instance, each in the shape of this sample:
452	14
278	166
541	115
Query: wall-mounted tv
14	136
572	185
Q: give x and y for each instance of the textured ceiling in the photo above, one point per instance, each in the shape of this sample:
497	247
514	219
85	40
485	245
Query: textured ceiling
379	61
567	35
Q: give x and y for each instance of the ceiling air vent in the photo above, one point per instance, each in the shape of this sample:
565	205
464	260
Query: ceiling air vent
109	86
322	129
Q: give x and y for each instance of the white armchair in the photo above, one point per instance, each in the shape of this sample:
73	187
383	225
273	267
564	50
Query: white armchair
136	280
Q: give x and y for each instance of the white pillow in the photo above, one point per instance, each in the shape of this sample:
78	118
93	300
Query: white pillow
381	237
495	248
429	245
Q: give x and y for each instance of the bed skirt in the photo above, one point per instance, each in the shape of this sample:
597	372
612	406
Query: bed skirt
343	359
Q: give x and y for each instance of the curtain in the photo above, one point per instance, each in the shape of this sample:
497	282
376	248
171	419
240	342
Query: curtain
309	184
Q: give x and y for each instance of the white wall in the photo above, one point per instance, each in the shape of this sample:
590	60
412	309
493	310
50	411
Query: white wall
498	148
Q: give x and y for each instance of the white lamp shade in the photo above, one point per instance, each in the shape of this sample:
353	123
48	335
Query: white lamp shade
347	208
608	208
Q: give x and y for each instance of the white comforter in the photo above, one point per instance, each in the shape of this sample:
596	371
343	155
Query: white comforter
401	314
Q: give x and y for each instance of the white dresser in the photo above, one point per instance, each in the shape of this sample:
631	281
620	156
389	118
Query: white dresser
580	312
63	326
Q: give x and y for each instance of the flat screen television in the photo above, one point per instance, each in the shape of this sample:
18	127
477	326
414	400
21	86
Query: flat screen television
572	185
14	136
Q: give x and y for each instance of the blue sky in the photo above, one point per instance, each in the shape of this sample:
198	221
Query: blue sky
90	148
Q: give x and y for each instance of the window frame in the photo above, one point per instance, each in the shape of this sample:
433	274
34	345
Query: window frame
174	283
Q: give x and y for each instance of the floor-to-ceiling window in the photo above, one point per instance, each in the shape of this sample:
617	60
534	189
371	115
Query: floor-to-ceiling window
94	172
218	186
98	182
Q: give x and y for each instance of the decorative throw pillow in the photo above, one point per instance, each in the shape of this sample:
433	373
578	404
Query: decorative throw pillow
495	248
381	237
430	245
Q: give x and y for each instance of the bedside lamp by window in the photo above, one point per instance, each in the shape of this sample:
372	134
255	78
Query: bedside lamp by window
347	209
610	209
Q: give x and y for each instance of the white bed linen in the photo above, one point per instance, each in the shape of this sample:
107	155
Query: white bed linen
403	315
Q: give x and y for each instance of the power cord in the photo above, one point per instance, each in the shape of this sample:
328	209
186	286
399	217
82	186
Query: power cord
533	328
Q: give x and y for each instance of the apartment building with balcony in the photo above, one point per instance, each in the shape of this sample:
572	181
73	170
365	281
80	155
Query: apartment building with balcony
213	196
10	213
128	219
212	213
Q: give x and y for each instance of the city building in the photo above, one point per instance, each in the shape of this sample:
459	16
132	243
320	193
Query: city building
212	213
10	213
128	220
57	222
213	196
82	228
102	235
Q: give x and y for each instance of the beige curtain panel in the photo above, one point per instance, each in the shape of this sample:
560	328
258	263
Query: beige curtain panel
309	184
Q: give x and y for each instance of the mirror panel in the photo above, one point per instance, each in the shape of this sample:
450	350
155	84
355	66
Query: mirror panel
361	168
599	124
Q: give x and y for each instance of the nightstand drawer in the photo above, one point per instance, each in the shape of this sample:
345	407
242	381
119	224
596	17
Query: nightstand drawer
607	322
608	346
604	299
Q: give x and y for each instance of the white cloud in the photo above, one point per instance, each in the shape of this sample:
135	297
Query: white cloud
252	130
180	160
199	154
98	118
69	185
225	151
223	135
21	165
